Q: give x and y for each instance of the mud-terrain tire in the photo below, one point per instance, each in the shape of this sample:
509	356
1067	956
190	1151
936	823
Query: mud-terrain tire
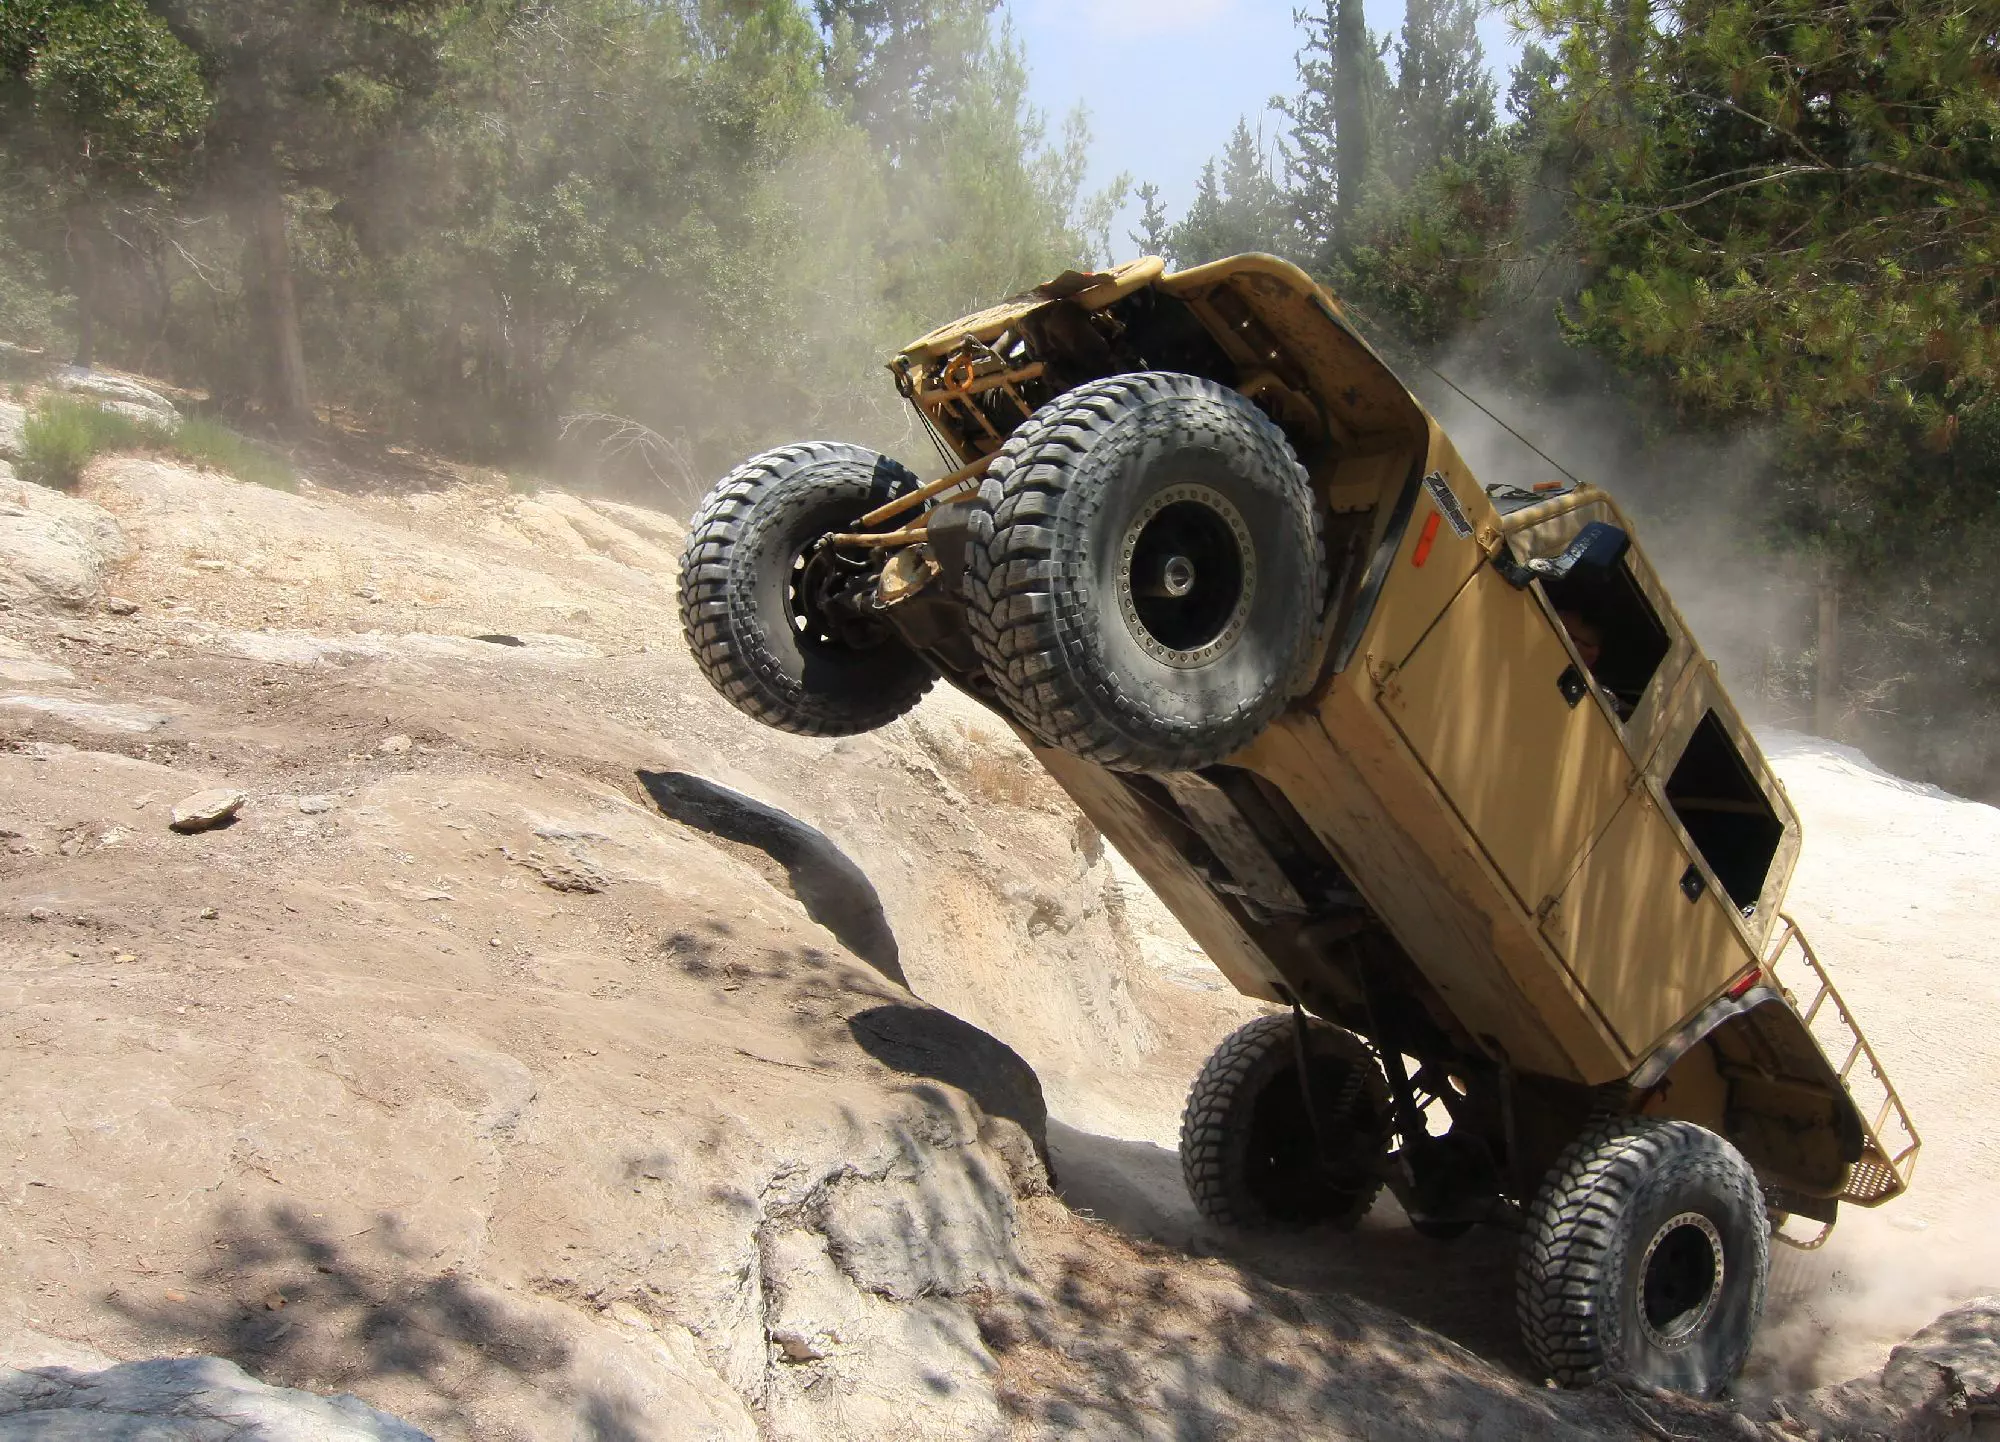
1146	572
755	638
1248	1153
1646	1257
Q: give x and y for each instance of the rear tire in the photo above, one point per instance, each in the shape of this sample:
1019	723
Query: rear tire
1248	1152
749	600
1646	1257
1147	569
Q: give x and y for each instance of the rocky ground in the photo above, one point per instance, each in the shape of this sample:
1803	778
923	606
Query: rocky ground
538	1050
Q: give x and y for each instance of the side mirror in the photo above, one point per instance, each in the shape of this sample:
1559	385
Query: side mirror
1597	550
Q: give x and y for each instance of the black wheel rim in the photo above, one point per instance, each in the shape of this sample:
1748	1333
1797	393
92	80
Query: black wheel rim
1680	1280
1187	572
1284	1171
819	591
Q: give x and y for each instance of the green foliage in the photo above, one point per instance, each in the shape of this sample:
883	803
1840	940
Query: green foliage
101	108
306	83
31	313
1792	204
63	435
1429	259
98	95
213	446
1155	232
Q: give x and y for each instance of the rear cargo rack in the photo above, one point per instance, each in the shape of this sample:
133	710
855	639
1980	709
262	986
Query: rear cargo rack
1890	1140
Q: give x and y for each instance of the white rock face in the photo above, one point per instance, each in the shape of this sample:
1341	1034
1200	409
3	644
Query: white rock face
1957	1358
54	547
1942	1382
12	419
180	1399
143	403
108	717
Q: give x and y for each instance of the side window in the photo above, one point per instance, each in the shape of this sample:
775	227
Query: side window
1725	812
1616	630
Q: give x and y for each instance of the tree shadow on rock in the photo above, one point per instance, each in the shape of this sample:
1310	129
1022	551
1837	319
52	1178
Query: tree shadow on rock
923	1041
290	1302
1462	1289
834	891
1379	1334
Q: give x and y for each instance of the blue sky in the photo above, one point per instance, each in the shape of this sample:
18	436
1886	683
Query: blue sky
1165	80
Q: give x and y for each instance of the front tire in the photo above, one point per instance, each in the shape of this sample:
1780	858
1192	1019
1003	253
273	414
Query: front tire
752	594
1248	1153
1646	1256
1146	572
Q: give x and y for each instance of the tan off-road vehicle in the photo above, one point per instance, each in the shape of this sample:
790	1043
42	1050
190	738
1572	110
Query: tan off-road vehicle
1435	767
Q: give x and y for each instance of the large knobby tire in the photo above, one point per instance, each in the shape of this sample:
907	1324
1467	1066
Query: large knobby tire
747	594
1146	572
1248	1152
1646	1257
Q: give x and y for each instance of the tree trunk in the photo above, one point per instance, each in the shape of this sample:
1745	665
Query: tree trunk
1350	111
1826	657
289	396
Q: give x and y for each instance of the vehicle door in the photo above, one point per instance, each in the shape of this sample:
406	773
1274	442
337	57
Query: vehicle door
1677	897
1534	748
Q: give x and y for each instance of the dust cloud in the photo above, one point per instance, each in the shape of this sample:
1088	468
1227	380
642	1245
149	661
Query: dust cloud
1694	497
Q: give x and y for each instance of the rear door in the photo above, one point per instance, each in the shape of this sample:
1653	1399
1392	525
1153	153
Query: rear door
1676	897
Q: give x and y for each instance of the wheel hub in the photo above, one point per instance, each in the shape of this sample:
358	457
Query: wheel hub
1187	572
820	600
1680	1280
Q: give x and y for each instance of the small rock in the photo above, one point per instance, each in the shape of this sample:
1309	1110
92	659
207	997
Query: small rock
315	805
494	941
797	1346
393	745
208	913
119	606
176	1296
273	1301
42	913
206	809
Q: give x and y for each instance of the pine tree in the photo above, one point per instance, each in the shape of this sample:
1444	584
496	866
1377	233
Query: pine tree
1356	82
1329	153
1154	235
1443	97
1238	207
